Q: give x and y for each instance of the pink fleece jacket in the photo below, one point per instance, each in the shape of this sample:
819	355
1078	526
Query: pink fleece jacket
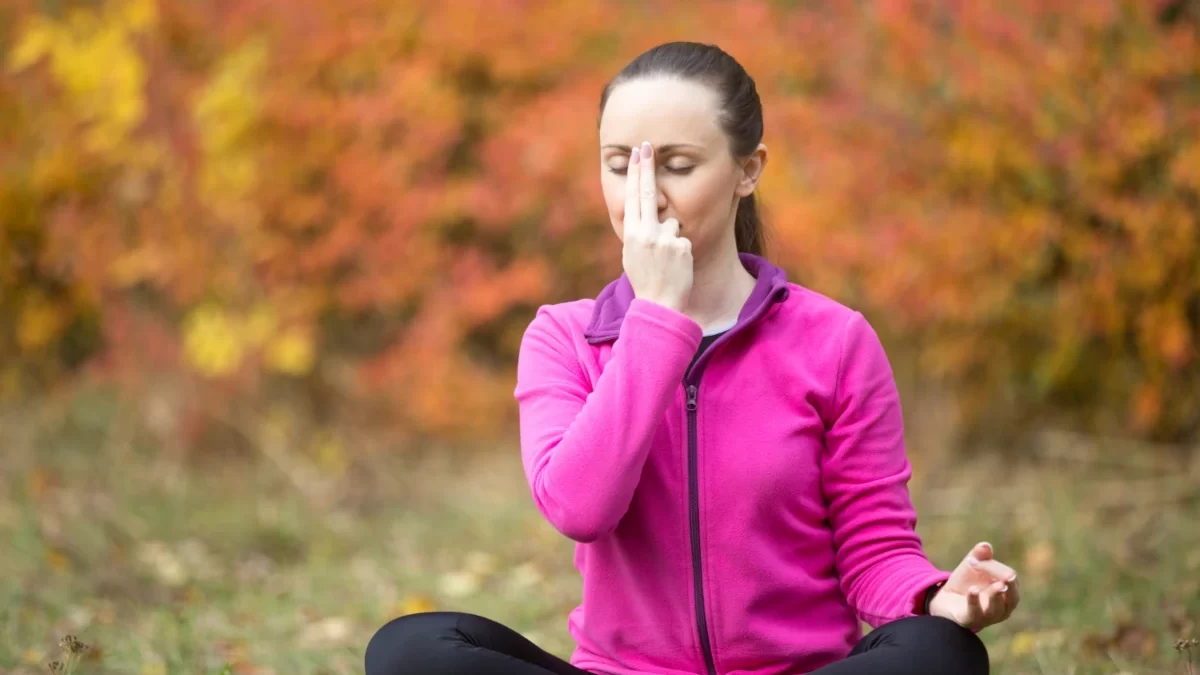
735	519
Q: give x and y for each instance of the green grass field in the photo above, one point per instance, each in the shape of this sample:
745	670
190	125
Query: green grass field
236	565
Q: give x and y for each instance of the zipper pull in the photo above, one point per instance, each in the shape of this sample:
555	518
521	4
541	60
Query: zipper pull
691	398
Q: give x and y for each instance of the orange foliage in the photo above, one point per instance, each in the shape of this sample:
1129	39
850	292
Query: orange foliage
243	193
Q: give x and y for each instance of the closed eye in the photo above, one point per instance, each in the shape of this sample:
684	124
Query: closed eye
678	171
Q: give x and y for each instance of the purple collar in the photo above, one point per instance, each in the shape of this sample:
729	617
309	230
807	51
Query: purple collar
614	300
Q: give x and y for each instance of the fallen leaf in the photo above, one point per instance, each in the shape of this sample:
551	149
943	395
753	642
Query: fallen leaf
79	617
37	482
325	633
523	577
1025	643
105	614
1022	644
1127	637
416	604
459	584
163	563
1039	559
57	560
480	563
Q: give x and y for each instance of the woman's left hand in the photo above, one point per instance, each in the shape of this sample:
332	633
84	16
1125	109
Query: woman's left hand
980	592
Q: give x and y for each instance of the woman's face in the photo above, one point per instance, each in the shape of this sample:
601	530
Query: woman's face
699	181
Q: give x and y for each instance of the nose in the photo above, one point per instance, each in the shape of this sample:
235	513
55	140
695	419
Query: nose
661	200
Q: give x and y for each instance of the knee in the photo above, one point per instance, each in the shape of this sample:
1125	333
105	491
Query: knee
948	647
400	646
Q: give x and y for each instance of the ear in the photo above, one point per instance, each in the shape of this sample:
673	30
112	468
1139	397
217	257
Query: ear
751	171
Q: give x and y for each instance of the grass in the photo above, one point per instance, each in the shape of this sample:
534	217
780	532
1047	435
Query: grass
168	565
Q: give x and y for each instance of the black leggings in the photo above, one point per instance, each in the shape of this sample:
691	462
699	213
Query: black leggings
457	643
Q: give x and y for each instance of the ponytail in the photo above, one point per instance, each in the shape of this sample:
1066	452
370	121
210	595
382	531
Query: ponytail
748	228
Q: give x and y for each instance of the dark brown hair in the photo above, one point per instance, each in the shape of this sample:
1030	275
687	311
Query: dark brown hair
741	111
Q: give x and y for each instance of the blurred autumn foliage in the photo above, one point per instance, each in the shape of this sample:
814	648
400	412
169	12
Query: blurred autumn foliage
359	204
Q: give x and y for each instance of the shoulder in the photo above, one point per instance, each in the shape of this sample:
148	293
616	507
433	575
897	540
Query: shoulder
809	311
834	336
564	321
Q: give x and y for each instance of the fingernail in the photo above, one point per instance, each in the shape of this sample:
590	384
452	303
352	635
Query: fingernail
636	156
984	543
646	149
1005	589
972	561
1012	578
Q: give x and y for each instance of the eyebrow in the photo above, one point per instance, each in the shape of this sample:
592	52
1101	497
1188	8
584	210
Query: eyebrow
669	147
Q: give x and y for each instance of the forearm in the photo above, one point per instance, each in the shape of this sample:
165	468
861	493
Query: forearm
584	450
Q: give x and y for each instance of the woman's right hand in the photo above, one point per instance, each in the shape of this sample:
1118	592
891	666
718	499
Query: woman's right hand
657	261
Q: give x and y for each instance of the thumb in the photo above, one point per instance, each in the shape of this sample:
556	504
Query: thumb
982	551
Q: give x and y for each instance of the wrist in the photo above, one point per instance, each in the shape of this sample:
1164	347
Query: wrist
930	594
673	305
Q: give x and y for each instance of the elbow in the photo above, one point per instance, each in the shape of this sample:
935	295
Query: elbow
577	514
582	535
584	528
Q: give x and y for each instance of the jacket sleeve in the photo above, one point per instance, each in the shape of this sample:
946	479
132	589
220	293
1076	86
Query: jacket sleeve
582	448
865	471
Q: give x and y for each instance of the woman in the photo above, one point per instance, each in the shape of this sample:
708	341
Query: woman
726	446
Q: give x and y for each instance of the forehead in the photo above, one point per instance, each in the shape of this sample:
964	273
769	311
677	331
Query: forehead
661	110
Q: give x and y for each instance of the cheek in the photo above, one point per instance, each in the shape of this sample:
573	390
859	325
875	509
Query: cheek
701	200
613	187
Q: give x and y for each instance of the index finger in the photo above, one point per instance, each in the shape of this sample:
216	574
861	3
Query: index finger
995	569
633	212
649	189
1014	594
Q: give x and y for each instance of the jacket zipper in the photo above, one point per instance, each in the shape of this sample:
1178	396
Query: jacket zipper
691	380
694	509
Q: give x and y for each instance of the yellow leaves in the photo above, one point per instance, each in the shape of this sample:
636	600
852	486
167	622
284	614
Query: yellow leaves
92	54
1022	644
981	148
985	187
289	350
138	14
57	560
144	263
54	168
416	604
216	341
1185	167
39	322
1026	642
38	39
331	456
225	113
291	353
212	342
260	325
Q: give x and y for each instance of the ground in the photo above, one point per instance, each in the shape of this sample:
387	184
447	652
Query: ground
234	564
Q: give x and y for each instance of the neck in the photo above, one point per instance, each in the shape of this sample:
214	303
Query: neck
720	288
